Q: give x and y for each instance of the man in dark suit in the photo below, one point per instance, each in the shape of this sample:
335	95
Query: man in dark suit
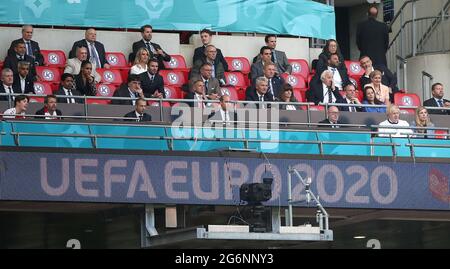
49	111
152	83
278	57
23	80
155	50
197	94
275	83
206	37
224	115
387	78
332	119
96	50
32	47
132	90
437	100
260	93
372	38
12	61
350	98
210	57
340	76
257	68
324	91
7	85
67	89
212	85
138	113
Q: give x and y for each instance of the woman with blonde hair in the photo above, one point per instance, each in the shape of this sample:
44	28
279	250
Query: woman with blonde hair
422	119
381	91
140	62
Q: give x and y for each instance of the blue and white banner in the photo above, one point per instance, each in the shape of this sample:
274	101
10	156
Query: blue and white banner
111	178
294	17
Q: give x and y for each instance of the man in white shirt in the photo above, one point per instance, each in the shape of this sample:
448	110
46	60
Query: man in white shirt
23	80
49	111
67	89
19	109
324	91
393	121
7	86
138	114
225	114
351	99
197	94
73	65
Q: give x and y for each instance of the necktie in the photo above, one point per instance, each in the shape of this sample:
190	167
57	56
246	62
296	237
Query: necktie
271	87
141	117
147	45
206	86
151	79
333	70
70	100
440	103
274	57
29	51
94	55
330	95
10	89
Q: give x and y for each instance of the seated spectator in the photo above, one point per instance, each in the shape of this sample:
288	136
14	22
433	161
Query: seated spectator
95	50
32	47
206	37
211	58
340	77
212	85
393	121
197	94
286	96
437	90
73	66
132	90
23	79
350	98
381	91
138	113
387	78
140	62
278	57
8	85
49	111
155	50
152	83
324	90
259	93
331	47
67	88
19	109
332	120
422	119
275	82
257	68
225	113
85	81
371	99
19	55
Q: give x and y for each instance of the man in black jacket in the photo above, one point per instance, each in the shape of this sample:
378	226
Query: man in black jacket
340	76
32	47
324	90
372	38
138	113
260	93
206	37
23	80
155	50
131	90
351	99
12	61
152	83
332	119
437	100
387	78
7	84
96	50
67	89
49	111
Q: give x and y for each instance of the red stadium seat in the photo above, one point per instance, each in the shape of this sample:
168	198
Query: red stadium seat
354	68
49	74
177	62
296	81
103	90
116	60
231	91
299	94
299	67
355	81
156	103
172	92
310	77
440	134
238	64
41	88
110	76
407	99
235	79
173	77
54	58
316	108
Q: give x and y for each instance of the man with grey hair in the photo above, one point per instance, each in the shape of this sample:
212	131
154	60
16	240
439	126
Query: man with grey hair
32	47
218	71
96	50
260	92
324	91
22	79
7	84
73	65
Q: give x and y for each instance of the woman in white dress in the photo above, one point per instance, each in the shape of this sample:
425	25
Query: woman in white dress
140	62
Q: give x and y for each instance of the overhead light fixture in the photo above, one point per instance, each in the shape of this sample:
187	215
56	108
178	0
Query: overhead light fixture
359	237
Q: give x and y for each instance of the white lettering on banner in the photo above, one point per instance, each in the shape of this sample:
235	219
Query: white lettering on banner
351	196
306	171
140	171
113	178
393	185
171	179
259	174
81	178
324	170
65	178
234	181
214	182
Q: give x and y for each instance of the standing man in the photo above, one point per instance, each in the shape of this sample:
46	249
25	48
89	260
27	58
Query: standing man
278	57
95	49
155	50
49	111
372	38
206	37
32	47
437	100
